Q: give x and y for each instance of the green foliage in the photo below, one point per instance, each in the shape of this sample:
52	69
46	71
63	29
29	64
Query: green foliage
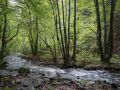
86	57
86	27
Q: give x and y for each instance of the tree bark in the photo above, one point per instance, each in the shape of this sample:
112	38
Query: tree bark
105	50
74	44
3	46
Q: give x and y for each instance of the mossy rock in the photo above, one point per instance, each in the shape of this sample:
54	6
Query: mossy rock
23	71
3	64
8	88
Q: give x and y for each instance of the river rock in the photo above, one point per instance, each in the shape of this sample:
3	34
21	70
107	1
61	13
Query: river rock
37	82
90	83
20	88
1	84
4	72
14	73
25	83
114	85
30	87
78	77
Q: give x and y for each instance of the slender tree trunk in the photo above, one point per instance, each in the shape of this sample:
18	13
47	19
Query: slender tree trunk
110	38
65	34
74	44
30	30
105	27
61	34
99	34
36	38
54	50
3	46
68	44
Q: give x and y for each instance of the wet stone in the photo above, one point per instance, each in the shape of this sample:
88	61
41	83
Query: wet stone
25	83
30	87
1	84
114	85
37	82
14	73
4	72
20	88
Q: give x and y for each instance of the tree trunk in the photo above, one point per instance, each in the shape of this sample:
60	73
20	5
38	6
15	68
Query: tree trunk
106	49
3	46
74	44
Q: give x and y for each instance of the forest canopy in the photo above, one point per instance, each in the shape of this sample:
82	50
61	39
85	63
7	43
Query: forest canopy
73	30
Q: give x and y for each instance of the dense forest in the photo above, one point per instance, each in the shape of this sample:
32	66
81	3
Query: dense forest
59	35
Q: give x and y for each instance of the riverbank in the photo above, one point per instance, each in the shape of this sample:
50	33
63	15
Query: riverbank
26	74
84	64
42	83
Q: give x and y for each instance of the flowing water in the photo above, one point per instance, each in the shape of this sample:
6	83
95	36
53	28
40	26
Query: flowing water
15	62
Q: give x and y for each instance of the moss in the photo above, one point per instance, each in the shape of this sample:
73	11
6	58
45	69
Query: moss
24	71
3	64
8	88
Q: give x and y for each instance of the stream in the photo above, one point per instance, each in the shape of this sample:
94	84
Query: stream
15	62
